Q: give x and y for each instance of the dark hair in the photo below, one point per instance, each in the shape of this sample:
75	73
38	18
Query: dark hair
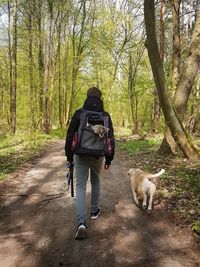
94	91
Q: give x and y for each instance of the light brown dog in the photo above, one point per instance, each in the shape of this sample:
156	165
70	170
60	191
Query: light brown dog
142	185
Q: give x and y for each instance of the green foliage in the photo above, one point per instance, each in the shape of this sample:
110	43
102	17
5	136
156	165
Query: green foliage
190	179
59	133
196	227
103	59
193	182
139	146
184	192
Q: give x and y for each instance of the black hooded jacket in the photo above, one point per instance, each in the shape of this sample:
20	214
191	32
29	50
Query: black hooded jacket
92	103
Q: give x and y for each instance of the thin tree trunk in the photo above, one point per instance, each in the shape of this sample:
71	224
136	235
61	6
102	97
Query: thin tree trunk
170	115
31	82
14	70
131	95
46	117
155	112
156	106
66	71
40	59
136	112
162	29
176	45
60	106
3	97
10	54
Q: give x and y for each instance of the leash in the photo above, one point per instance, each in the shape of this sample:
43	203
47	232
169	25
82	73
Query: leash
70	180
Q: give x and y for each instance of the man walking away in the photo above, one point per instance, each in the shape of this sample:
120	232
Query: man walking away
89	140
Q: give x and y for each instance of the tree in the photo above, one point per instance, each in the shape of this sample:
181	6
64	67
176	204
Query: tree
168	145
40	57
13	88
81	20
189	72
156	106
47	66
172	121
176	45
185	83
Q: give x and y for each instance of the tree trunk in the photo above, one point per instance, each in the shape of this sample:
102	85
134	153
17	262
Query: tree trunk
188	75
176	45
162	30
60	96
170	115
46	117
66	72
195	110
40	60
13	91
131	93
185	83
168	145
10	55
156	106
155	112
31	76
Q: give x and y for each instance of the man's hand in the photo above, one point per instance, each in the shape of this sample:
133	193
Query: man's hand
70	164
106	166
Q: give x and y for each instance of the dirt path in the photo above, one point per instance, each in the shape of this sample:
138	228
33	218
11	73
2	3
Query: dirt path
37	228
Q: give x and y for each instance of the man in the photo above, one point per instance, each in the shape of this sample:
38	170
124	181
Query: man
88	159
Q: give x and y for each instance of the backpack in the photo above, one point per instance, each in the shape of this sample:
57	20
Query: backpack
92	136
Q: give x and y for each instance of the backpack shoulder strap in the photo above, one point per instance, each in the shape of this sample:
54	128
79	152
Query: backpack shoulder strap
83	116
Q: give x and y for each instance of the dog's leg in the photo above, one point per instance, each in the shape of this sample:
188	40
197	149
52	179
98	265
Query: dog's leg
135	197
151	195
144	203
149	210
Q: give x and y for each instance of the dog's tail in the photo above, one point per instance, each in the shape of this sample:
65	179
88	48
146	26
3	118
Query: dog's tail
151	176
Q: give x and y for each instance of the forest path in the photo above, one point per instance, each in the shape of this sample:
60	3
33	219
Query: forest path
37	228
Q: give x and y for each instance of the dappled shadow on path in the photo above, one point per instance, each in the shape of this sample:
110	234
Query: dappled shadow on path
38	229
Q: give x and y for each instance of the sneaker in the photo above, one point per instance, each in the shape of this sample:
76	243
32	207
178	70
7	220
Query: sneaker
81	231
95	215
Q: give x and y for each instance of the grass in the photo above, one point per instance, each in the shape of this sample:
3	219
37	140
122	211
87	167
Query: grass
139	146
17	149
58	133
185	198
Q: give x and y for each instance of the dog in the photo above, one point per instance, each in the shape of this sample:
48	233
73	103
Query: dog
143	184
98	129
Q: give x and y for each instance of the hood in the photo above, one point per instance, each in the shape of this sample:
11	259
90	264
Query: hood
93	103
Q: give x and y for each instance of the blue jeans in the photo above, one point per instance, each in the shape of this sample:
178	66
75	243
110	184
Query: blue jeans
86	165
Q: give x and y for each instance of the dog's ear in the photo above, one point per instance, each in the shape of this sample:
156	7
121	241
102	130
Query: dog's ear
130	172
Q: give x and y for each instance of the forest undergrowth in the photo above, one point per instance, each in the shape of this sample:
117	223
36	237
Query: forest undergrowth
178	188
16	150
